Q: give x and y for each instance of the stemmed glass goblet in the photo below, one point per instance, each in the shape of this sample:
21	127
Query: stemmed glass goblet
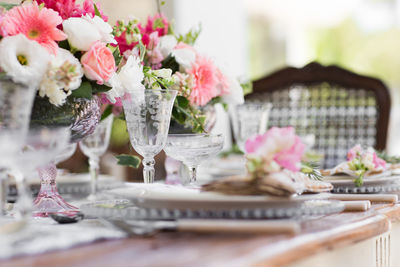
93	146
148	114
249	119
16	102
193	149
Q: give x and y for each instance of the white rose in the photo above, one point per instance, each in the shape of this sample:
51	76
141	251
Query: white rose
167	44
185	57
24	60
102	27
81	33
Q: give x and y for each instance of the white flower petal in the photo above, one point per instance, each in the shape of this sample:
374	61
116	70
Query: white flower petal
37	59
184	56
167	44
81	33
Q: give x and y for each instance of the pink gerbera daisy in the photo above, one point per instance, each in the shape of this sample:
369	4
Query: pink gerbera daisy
38	24
204	81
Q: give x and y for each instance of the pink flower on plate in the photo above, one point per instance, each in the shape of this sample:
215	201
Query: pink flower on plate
38	24
204	81
378	162
280	145
98	63
354	152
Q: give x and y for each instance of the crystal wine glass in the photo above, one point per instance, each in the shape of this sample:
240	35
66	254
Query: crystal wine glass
15	109
148	115
95	145
193	149
249	119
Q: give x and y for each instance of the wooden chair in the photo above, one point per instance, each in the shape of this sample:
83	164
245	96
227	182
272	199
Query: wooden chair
339	107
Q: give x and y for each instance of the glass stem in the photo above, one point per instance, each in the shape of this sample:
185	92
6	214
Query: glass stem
3	191
24	201
94	168
148	170
192	174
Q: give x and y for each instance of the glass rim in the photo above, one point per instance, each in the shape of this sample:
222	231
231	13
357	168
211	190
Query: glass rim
148	90
195	134
267	104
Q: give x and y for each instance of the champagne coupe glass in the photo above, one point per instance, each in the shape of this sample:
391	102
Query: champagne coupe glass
93	146
148	114
193	149
249	119
16	102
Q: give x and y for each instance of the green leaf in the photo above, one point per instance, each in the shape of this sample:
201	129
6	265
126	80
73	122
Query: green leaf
191	36
128	160
64	44
117	56
7	6
182	101
107	112
100	88
142	50
96	11
84	91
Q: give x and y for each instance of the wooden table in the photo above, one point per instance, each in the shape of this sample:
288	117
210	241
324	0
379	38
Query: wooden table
347	239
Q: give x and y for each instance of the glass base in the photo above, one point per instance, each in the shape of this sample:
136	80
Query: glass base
49	200
45	205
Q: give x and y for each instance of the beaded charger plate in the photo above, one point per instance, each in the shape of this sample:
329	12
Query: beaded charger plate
144	201
345	184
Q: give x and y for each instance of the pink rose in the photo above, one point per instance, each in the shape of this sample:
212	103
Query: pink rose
98	63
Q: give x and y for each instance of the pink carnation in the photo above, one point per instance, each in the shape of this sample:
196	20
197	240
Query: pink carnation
204	81
38	24
65	8
281	145
69	8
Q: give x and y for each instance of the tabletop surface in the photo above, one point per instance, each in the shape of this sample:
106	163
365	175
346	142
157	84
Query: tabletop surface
184	249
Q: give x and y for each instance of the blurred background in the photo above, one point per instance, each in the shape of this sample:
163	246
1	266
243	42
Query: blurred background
253	38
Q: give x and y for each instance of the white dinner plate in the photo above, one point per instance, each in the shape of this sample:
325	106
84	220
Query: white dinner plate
173	197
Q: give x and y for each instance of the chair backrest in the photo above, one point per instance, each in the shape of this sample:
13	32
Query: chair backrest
339	107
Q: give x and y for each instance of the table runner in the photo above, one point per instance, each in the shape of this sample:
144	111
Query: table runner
43	235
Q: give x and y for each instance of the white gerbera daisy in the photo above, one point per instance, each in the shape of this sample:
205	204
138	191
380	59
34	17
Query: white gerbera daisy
25	61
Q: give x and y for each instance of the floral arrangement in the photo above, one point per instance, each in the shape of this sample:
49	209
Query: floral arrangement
173	57
66	50
69	50
360	163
